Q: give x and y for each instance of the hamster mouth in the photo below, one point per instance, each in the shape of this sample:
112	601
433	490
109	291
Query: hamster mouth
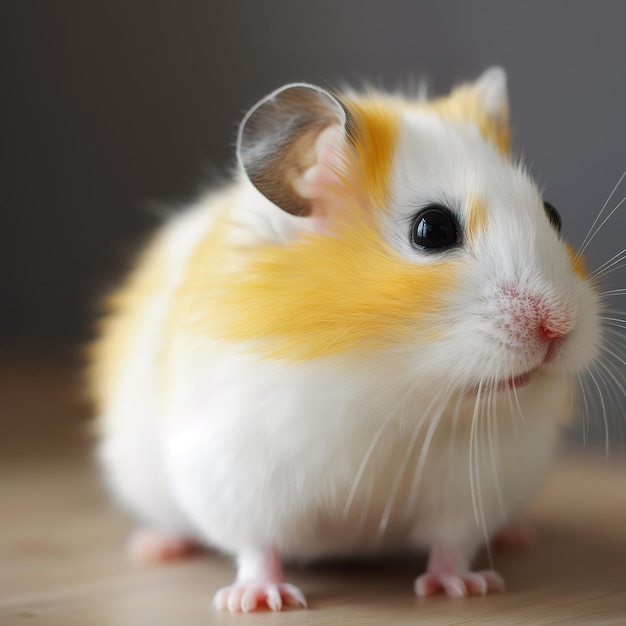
512	383
506	384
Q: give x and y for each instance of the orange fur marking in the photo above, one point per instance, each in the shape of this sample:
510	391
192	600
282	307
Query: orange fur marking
125	308
214	257
577	262
320	295
377	127
476	218
464	105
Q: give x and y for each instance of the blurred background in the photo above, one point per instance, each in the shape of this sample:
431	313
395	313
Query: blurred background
117	113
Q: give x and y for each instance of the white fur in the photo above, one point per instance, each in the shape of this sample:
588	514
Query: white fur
131	449
439	162
334	457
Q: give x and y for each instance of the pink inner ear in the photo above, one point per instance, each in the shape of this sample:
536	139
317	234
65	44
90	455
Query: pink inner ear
322	183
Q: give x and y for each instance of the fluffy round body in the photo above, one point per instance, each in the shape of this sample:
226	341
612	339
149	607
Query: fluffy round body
286	368
343	454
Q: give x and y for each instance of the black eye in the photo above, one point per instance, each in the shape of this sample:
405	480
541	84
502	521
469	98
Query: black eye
434	228
553	216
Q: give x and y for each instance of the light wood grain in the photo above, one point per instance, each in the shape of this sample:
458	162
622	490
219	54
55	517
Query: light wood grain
62	561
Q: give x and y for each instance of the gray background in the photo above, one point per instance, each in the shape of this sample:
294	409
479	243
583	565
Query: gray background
114	113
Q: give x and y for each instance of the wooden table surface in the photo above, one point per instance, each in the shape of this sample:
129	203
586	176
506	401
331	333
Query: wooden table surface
62	560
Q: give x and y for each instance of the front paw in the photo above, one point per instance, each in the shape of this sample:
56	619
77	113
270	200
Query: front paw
459	584
248	596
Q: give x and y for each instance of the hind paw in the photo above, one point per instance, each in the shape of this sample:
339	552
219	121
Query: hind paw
460	584
516	537
147	547
448	572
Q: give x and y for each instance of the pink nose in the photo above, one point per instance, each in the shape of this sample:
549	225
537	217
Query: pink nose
532	315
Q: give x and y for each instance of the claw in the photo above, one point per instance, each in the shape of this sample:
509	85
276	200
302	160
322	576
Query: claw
448	573
246	597
459	585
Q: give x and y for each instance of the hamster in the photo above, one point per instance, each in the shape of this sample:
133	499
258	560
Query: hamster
363	345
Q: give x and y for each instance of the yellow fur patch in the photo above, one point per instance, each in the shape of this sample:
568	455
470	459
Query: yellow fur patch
464	105
577	262
117	331
476	218
377	123
320	295
214	258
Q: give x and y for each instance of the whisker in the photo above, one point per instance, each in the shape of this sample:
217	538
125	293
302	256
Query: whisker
588	236
613	311
364	462
604	221
492	424
384	520
613	292
586	415
419	468
366	506
610	262
617	265
614	321
455	421
607	349
481	506
452	442
509	396
472	444
611	369
613	392
570	410
616	335
519	408
604	414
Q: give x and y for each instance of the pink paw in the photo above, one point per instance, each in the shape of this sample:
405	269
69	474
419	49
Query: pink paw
148	547
245	597
516	537
459	585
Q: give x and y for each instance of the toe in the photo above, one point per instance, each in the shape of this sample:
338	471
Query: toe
293	596
476	584
425	586
234	599
494	581
454	586
220	601
273	598
458	585
249	600
247	597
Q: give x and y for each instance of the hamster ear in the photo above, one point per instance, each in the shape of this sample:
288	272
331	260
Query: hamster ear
492	93
489	94
291	145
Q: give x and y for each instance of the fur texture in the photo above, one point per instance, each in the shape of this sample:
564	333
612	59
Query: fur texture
309	381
